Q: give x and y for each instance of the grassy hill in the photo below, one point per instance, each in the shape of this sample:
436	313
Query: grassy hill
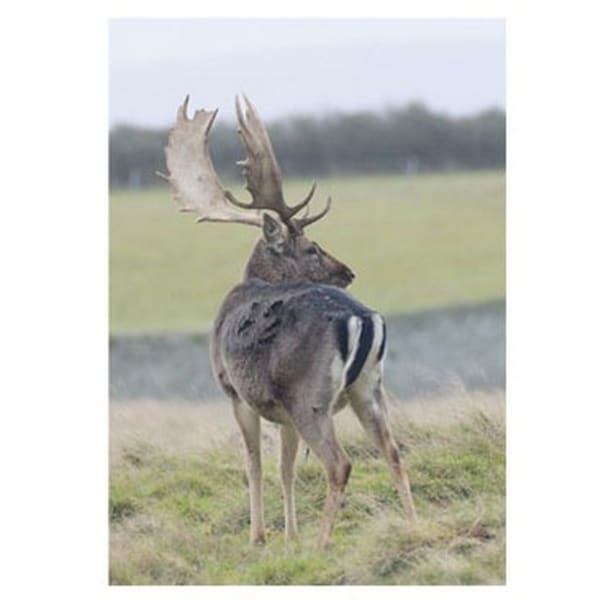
179	507
414	242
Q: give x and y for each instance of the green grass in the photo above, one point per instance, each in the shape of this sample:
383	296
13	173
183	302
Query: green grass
414	243
182	517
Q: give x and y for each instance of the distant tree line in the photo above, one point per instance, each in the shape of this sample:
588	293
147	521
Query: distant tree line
402	140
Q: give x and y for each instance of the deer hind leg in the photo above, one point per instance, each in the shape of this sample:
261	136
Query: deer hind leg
369	404
289	449
249	422
319	435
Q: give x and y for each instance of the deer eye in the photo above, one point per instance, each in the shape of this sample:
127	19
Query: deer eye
311	251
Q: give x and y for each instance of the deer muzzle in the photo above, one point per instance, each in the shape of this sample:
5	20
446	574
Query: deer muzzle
345	276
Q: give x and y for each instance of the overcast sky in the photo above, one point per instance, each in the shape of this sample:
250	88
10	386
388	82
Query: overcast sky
303	66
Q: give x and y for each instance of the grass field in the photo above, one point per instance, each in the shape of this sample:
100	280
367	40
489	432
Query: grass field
414	242
179	509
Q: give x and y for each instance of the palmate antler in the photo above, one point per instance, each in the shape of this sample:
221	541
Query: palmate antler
195	184
197	187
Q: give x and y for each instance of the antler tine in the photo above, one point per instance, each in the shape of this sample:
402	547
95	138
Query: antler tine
182	110
195	183
260	168
296	209
303	222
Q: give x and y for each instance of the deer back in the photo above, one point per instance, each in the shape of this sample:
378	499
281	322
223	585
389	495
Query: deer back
274	343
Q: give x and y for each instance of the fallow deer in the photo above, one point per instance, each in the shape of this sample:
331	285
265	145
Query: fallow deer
288	345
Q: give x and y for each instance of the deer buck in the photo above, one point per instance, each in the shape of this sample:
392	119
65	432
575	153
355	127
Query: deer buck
288	344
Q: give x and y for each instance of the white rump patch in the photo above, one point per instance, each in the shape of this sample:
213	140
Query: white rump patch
355	326
339	367
372	369
378	334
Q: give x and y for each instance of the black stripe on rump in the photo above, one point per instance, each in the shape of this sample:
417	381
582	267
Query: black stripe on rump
382	346
341	332
364	346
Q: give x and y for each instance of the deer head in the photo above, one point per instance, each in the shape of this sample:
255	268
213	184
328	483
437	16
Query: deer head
283	253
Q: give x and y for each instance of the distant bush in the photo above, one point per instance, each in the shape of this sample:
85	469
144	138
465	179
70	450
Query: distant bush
399	140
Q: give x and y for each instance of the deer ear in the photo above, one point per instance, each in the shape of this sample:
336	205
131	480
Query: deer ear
273	233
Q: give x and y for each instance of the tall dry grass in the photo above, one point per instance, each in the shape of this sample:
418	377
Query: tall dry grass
179	509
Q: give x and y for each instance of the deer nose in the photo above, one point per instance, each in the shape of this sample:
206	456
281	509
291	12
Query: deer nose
348	273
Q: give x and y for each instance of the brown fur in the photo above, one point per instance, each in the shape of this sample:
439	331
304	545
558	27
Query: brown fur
274	351
288	345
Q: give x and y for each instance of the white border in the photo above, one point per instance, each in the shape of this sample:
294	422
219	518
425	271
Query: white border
54	251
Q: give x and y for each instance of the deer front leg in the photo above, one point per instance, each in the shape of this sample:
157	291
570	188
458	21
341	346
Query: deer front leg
249	422
289	448
371	410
